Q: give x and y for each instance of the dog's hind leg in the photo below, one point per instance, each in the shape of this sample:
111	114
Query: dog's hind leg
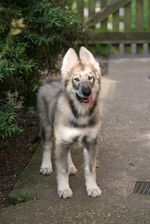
46	166
72	169
62	167
90	169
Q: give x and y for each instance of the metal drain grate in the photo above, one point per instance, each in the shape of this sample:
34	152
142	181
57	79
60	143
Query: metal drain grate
142	188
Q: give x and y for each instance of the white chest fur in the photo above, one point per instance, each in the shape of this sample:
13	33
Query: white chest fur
63	133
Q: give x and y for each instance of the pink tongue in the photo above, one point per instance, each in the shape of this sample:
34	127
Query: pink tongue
90	99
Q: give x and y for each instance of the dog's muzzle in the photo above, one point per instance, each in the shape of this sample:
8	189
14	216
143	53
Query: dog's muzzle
86	91
84	95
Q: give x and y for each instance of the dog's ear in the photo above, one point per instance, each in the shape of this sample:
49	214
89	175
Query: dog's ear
87	58
70	60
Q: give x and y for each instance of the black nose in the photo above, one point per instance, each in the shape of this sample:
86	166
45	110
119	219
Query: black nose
86	91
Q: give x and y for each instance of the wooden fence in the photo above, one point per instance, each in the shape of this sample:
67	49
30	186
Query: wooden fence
116	26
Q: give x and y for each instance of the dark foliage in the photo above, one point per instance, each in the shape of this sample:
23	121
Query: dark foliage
32	35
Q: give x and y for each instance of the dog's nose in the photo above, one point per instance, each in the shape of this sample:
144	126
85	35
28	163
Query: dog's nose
86	91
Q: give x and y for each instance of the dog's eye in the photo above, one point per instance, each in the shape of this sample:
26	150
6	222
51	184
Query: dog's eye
90	77
77	79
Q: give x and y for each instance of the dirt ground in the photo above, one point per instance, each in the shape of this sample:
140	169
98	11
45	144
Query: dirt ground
16	152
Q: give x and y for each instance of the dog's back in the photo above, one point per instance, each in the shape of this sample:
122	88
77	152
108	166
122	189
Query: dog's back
47	101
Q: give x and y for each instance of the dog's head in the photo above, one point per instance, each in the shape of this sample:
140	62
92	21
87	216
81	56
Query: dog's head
81	75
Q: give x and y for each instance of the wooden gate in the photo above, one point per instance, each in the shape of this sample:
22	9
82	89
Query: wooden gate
116	26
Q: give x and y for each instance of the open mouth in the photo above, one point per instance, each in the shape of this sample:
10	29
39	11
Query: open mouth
82	99
88	99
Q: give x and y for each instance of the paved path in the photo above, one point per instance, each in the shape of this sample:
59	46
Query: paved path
123	159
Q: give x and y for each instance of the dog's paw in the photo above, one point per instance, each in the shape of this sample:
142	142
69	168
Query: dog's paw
46	170
94	192
73	170
65	193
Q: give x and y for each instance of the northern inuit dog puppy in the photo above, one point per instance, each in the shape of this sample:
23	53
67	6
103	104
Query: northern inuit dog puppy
70	111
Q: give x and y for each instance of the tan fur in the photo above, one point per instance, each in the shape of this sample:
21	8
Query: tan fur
70	111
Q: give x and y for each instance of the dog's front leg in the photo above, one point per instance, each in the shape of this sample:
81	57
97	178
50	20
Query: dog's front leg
90	168
61	158
46	136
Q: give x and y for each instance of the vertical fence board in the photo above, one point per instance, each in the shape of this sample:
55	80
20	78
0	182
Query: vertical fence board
104	48
139	16
97	9
127	17
139	22
133	50
115	21
104	23
91	7
148	15
115	24
145	49
127	26
80	9
121	49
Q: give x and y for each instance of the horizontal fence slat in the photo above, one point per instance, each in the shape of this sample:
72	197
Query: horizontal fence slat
118	37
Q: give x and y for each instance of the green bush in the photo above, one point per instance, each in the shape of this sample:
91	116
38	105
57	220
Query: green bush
8	125
49	29
32	35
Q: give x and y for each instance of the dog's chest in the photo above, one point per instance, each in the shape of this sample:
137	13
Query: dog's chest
72	129
84	122
76	134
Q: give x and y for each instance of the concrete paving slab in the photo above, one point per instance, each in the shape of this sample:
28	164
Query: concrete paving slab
123	159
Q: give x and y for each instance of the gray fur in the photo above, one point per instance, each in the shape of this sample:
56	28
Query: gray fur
70	116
